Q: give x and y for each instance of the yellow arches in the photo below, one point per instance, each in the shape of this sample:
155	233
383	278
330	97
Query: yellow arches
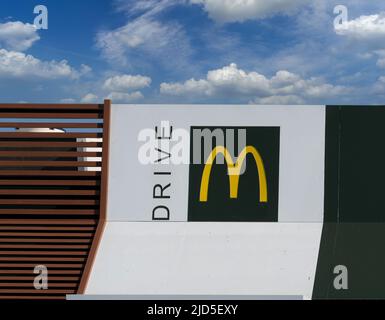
234	171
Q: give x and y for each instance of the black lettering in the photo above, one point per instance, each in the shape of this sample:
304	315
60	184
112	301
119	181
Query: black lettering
157	213
168	155
161	189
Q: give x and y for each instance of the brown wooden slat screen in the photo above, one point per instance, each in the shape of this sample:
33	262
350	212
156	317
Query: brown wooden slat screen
53	173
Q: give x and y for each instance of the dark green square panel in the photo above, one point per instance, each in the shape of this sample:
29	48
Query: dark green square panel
362	164
247	206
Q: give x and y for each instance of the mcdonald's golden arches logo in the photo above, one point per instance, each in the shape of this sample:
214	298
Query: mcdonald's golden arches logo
234	172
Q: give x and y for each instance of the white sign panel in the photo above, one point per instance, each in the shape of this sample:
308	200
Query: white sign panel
149	178
213	224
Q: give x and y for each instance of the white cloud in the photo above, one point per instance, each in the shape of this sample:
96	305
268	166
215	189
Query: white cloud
149	7
67	100
190	87
18	64
90	98
368	28
151	37
228	79
381	58
279	100
367	31
365	55
118	89
126	82
381	63
232	78
240	10
84	69
379	87
17	35
145	38
231	81
125	97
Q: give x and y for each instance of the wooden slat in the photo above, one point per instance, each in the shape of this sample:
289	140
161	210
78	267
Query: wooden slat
32	278
43	253
34	291
49	192
48	265
42	259
56	125
30	284
47	135
50	211
53	271
68	202
43	246
38	241
75	183
50	106
46	234
46	228
46	173
53	144
50	154
32	297
53	163
48	222
53	116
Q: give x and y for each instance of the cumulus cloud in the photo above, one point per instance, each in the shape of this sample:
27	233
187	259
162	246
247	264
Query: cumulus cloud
379	86
381	58
381	80
279	100
84	70
67	100
283	87
228	79
240	10
381	63
18	64
368	28
122	97
126	82
119	88
116	97
190	87
90	98
18	36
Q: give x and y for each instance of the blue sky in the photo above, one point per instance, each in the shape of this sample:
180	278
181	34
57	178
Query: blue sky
193	51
